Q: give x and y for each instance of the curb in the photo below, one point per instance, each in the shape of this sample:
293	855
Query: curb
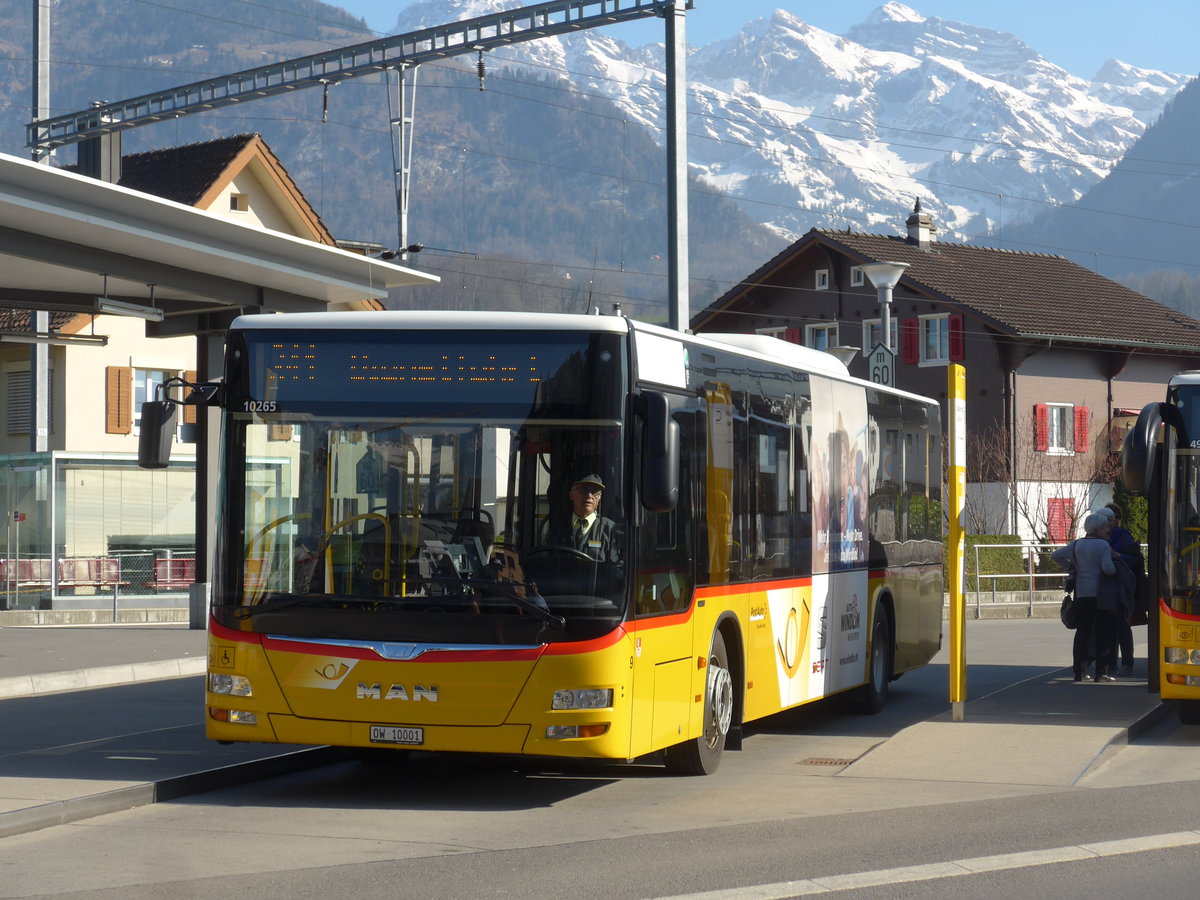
16	686
62	812
1149	720
1126	736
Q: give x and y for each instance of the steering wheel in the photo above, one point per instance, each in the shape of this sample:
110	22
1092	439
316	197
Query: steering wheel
558	549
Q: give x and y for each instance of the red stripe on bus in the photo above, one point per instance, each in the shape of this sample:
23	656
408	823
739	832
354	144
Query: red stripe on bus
650	622
601	643
1175	614
217	630
752	587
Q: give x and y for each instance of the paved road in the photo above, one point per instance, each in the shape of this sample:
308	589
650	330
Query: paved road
808	785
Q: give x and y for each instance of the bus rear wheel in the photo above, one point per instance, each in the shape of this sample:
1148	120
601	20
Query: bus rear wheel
702	755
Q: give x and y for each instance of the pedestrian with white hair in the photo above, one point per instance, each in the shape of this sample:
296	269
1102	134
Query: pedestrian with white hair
1090	558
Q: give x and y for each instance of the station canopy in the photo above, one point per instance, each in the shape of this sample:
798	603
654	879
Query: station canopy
67	241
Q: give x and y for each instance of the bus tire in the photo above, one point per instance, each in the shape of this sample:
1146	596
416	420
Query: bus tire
702	755
873	695
1189	712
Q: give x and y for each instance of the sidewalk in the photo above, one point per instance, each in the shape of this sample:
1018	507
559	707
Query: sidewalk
105	718
42	660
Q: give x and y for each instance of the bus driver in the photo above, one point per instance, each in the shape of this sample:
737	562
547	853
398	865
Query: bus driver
588	531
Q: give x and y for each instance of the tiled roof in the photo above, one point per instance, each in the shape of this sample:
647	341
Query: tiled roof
18	319
183	174
1023	294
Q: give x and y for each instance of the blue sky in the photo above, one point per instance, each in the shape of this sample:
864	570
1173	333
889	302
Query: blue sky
1078	35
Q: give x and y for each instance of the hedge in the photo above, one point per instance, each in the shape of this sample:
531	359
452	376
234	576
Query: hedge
992	561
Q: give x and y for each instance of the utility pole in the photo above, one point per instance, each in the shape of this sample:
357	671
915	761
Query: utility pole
39	320
677	199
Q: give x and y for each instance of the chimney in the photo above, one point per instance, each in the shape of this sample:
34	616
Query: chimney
100	155
920	227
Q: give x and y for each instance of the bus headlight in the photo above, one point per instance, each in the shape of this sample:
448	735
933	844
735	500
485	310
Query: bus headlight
236	685
1181	655
591	698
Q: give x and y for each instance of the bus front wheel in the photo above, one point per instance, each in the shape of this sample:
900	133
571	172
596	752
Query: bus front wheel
873	695
702	755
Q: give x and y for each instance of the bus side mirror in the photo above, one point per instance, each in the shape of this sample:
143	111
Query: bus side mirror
157	431
660	454
1139	453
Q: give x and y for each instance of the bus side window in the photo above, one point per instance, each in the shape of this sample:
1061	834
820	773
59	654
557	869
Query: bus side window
771	446
669	542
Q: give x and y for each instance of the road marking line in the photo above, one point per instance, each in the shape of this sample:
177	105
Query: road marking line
953	869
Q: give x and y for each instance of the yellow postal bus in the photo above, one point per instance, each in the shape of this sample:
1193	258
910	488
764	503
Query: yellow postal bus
1161	460
399	566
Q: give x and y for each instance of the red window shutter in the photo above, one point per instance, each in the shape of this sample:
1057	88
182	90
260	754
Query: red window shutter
910	341
956	338
1081	429
1060	513
1041	427
794	335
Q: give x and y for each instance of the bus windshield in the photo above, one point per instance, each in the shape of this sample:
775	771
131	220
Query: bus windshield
419	487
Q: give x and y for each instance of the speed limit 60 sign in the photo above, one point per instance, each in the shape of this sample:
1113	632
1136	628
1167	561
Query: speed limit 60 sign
883	365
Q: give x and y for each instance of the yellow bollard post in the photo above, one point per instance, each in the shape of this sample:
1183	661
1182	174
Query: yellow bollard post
957	488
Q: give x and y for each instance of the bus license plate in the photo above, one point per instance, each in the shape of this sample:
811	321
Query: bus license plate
393	734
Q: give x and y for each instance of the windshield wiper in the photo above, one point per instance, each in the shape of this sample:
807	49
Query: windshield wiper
317	601
508	591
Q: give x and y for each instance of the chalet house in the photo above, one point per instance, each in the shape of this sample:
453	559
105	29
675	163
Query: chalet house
86	502
1056	356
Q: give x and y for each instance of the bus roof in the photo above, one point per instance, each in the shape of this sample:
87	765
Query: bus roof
431	320
1190	376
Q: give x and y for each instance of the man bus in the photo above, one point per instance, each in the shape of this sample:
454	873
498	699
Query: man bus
388	575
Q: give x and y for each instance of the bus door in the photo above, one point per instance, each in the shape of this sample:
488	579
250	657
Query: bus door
668	546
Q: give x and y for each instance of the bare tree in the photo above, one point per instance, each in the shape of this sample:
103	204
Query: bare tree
1070	478
985	508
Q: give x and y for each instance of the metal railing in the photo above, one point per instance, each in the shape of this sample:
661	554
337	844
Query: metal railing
1033	554
32	580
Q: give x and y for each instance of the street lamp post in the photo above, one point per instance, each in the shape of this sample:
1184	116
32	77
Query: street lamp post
885	275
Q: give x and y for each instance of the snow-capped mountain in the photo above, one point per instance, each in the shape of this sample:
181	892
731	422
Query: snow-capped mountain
809	128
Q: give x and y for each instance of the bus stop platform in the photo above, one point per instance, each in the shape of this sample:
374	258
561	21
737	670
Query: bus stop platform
95	720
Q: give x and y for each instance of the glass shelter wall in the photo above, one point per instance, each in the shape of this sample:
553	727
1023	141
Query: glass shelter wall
83	530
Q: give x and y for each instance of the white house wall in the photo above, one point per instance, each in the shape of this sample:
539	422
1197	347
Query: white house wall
85	386
264	209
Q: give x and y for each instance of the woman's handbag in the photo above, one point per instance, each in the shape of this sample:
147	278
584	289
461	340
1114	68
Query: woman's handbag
1067	613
